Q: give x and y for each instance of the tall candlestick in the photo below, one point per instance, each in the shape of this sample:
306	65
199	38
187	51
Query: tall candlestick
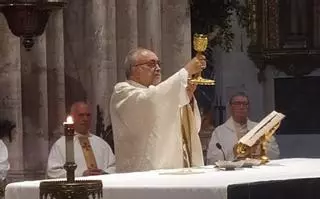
69	133
80	189
70	165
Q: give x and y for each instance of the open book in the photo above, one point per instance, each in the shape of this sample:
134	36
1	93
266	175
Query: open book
263	128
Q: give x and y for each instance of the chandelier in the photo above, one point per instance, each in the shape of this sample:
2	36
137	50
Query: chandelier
28	18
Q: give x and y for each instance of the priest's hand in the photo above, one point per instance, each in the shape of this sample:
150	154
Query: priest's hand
92	172
196	65
190	89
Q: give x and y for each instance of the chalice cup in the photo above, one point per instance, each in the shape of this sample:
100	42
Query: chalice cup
200	43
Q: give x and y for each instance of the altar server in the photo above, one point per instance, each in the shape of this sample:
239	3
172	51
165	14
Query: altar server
155	124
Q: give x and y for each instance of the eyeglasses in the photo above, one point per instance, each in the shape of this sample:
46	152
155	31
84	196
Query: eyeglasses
237	103
151	64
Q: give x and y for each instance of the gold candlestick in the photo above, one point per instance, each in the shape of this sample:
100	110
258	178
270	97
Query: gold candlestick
200	43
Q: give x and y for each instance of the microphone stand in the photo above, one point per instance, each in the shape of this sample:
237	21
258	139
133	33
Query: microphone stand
218	145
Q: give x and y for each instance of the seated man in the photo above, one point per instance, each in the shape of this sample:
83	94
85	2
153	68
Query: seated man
227	135
4	164
6	128
92	154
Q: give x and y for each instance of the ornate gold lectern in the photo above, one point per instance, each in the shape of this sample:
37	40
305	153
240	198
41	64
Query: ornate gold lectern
244	151
257	138
71	188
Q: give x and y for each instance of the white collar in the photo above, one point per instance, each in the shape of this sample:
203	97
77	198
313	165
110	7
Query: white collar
81	135
136	84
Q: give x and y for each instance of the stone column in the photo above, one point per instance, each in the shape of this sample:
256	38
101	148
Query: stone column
111	69
127	32
149	25
176	35
56	85
35	108
100	52
75	49
10	96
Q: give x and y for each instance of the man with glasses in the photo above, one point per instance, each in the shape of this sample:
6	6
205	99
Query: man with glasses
145	114
225	136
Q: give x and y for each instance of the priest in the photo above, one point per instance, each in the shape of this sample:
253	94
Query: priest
92	154
155	123
226	136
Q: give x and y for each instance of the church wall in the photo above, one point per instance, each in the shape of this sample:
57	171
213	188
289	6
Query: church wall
236	72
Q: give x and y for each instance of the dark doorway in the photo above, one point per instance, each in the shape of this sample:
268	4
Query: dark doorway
298	99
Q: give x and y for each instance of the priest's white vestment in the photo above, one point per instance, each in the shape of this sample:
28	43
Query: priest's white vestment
103	154
227	135
4	164
146	124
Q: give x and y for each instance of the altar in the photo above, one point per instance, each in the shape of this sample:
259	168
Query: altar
201	183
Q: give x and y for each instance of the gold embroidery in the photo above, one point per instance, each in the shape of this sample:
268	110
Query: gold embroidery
186	137
88	152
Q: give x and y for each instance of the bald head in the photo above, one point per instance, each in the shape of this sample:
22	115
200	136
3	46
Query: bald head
80	112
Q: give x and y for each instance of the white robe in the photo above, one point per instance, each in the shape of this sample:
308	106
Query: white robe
57	158
4	164
146	124
227	137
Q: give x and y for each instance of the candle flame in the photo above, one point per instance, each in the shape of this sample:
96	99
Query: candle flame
69	120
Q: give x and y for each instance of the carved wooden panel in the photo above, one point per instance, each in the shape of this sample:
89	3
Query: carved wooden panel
296	23
285	34
252	26
272	22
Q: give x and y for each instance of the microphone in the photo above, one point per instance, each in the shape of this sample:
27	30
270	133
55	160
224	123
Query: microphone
218	145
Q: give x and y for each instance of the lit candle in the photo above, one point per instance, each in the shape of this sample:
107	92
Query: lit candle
69	120
69	133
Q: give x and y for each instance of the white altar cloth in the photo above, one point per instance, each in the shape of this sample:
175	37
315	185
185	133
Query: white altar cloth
206	182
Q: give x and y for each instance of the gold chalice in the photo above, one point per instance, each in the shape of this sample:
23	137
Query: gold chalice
200	43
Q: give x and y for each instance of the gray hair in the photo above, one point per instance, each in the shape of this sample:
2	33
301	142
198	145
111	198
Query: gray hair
237	94
131	59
